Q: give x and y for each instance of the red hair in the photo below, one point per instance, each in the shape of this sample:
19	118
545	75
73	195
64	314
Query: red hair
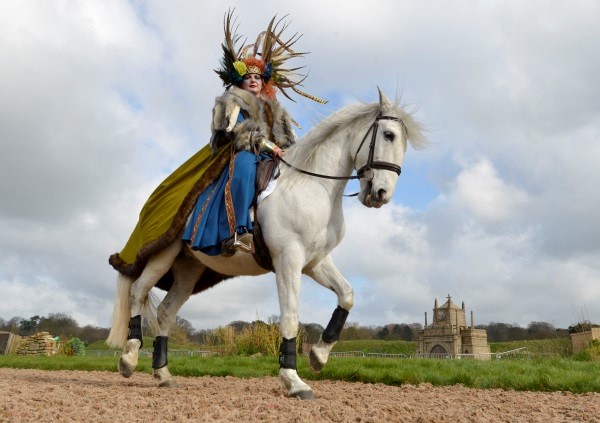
268	89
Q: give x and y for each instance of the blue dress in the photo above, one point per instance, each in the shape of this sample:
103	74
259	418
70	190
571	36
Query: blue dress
223	207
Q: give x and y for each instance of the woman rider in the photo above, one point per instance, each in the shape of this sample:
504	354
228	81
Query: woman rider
221	221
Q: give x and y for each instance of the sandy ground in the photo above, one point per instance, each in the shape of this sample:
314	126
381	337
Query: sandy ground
34	395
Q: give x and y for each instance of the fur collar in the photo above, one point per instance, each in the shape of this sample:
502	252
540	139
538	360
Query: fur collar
264	119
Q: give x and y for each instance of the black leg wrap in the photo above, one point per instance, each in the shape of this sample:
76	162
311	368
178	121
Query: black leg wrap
135	329
335	325
287	354
159	355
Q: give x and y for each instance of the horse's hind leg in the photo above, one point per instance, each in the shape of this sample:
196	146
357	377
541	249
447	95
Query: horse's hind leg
156	267
186	272
326	274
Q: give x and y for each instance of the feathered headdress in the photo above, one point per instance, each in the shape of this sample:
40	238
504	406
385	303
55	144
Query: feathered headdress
266	57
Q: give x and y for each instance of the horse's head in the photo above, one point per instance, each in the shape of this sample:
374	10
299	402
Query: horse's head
380	152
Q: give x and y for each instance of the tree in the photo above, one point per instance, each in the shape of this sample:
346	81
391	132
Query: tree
13	324
30	326
201	336
59	324
407	333
185	325
90	334
384	333
416	330
541	330
238	325
396	332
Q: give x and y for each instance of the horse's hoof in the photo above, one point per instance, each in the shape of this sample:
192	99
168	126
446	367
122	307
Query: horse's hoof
314	363
303	395
125	370
171	383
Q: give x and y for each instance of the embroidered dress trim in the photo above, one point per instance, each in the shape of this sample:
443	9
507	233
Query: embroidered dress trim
228	199
201	215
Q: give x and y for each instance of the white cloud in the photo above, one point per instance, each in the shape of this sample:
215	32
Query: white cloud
480	190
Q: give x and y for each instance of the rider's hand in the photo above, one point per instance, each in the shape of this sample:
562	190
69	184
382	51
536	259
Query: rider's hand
278	152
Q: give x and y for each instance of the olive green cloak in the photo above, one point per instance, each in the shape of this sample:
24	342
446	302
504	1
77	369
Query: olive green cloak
163	217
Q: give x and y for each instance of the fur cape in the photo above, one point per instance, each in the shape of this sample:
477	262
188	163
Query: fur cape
263	119
162	219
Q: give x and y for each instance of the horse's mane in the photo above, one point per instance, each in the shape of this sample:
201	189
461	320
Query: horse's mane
353	118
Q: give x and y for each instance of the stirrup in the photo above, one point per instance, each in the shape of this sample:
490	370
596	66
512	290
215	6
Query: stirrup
237	242
243	242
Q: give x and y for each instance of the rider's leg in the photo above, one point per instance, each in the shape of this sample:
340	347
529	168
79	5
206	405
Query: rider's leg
240	192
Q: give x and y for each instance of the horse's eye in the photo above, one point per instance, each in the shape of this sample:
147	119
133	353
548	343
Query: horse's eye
389	135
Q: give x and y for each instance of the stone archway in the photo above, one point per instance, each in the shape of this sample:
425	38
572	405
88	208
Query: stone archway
439	351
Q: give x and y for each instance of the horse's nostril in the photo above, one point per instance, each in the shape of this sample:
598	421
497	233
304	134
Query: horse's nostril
381	194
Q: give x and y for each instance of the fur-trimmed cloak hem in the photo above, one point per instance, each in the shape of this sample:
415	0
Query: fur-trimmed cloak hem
163	217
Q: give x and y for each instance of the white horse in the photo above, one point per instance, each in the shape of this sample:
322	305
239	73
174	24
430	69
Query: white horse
302	222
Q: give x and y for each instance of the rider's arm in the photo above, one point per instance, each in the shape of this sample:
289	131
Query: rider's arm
271	147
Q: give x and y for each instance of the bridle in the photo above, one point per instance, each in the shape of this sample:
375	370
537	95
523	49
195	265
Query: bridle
366	171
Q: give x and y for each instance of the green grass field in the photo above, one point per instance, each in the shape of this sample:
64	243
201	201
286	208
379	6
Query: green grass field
543	374
538	348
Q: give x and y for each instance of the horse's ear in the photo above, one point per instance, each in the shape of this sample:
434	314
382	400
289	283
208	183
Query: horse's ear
384	102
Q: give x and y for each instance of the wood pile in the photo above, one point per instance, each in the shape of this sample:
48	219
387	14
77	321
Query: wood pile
39	344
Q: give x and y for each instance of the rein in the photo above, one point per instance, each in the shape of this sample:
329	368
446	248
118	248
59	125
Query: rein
365	172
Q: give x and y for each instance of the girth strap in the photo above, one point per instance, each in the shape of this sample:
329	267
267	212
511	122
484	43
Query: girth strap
266	170
261	251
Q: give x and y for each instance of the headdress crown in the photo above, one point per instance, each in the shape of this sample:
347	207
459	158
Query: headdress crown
265	57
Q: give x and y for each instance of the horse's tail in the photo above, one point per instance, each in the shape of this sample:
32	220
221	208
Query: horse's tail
122	312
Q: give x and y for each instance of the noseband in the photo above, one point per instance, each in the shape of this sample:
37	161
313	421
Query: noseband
365	172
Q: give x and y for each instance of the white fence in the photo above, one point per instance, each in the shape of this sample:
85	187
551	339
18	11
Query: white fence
148	353
516	353
522	353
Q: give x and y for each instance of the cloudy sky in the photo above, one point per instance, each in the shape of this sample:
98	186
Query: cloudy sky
100	101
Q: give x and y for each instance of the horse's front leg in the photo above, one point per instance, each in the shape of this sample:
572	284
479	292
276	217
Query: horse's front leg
326	274
288	271
186	272
156	267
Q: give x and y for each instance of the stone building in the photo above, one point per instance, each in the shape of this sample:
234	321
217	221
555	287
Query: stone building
449	335
581	340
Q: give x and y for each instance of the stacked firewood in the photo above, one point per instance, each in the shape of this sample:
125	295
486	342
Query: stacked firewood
39	344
